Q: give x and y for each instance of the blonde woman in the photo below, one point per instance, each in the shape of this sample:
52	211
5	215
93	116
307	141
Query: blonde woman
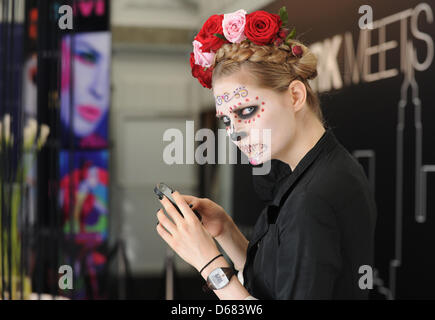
317	229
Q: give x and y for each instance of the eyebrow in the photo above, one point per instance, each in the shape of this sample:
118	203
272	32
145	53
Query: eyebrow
243	105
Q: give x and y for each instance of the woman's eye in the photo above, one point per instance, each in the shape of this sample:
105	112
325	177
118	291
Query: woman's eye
247	112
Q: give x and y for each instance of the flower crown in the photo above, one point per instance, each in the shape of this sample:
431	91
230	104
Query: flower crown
259	27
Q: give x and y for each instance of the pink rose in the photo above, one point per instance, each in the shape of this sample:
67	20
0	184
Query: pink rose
204	59
233	26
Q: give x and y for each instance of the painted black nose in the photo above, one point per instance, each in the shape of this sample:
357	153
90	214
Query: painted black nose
238	136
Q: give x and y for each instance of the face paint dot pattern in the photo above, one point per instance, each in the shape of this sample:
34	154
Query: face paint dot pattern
232	110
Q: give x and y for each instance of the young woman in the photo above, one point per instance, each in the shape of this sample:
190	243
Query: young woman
317	229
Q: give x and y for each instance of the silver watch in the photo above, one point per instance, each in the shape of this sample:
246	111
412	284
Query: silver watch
219	278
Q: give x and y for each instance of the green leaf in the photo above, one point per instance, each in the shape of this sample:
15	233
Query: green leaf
284	16
221	36
291	34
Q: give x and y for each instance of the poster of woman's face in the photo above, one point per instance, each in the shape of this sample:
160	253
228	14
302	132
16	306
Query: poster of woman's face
83	195
85	89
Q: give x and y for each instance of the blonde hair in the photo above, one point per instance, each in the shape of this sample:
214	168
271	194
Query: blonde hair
273	67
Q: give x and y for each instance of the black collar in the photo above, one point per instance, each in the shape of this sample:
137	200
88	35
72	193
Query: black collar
272	187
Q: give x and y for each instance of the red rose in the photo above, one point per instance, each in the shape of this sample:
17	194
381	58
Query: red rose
206	34
204	77
261	27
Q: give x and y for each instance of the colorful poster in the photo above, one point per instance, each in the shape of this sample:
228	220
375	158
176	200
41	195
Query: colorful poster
83	159
83	196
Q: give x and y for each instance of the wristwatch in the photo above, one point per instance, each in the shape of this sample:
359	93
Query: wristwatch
219	278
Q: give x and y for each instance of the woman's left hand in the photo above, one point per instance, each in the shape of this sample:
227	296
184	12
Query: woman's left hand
186	235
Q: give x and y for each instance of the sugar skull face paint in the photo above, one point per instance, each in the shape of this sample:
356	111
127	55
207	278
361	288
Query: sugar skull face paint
249	117
238	93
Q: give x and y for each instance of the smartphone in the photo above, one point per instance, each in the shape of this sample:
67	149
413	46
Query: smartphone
162	189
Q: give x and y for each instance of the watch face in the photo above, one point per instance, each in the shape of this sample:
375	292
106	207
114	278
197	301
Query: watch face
218	278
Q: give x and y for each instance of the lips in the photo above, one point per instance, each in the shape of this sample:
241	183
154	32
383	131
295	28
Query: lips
89	113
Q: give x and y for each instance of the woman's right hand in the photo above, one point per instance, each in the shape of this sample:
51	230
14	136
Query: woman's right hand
214	217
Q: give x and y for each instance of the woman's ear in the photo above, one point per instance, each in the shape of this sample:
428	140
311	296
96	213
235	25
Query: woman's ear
298	94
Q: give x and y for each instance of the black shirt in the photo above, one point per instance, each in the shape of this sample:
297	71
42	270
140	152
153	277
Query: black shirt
316	230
